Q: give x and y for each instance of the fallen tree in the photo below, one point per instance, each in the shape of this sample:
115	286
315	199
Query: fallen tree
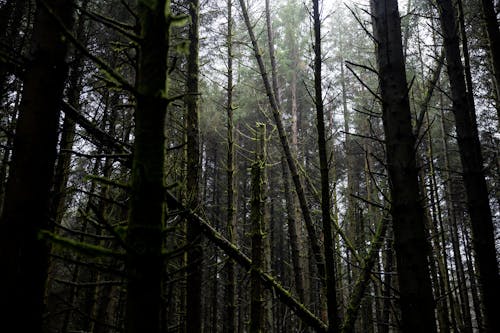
234	253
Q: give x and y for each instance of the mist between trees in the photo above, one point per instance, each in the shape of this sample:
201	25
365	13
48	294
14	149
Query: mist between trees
249	166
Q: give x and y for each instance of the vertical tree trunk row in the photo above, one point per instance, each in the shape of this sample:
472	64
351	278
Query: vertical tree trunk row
473	170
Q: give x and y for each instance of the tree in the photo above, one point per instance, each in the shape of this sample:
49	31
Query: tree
153	217
258	220
230	291
329	244
144	262
27	206
292	217
292	164
416	300
195	254
473	170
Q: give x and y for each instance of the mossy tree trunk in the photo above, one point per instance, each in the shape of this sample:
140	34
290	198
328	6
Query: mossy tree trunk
144	262
257	219
290	158
230	291
195	253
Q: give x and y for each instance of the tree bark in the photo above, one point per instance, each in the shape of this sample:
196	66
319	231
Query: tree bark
298	271
473	170
195	252
417	304
23	256
329	244
257	220
268	281
144	262
230	291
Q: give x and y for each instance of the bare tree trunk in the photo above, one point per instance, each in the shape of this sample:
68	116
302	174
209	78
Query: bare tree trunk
328	238
473	171
462	309
23	256
417	304
58	202
387	283
293	236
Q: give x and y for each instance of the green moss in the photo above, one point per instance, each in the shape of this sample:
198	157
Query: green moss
179	21
80	247
107	181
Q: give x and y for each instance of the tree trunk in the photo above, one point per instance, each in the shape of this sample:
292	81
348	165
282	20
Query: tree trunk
23	256
363	279
387	283
195	252
473	171
417	304
144	262
292	220
58	203
292	164
257	219
230	291
329	244
268	281
298	271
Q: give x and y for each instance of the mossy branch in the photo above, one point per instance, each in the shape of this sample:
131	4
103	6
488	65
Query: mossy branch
364	278
110	182
234	253
86	249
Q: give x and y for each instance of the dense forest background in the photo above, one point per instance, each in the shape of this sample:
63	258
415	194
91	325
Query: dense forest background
249	166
